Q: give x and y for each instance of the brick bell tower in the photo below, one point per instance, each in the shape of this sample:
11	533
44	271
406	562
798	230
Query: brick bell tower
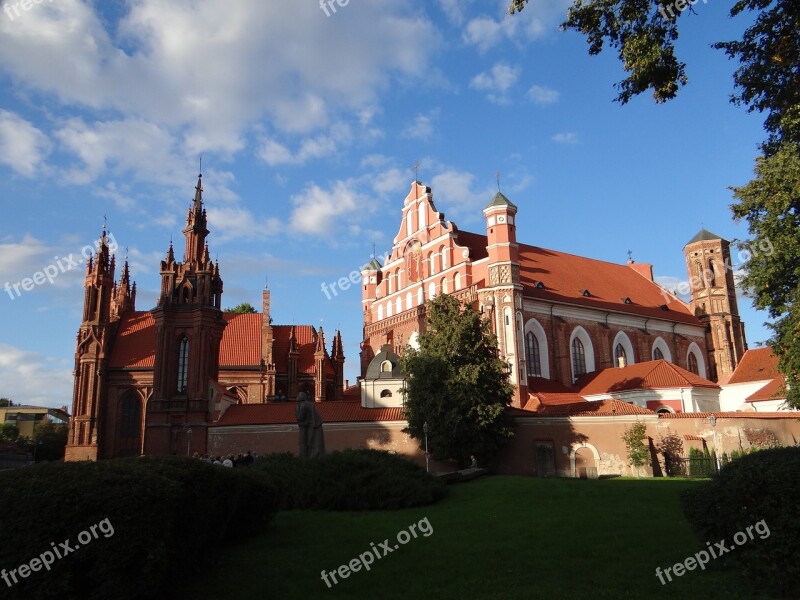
92	351
713	301
502	297
189	326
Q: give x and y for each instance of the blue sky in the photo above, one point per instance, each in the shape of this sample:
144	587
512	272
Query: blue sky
308	126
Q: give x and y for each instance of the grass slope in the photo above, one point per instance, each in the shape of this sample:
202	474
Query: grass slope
498	537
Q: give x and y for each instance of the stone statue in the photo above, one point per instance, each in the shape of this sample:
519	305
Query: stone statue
309	423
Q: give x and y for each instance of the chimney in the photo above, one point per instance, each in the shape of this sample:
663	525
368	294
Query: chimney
346	383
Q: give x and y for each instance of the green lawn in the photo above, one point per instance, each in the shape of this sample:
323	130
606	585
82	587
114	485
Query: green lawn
497	537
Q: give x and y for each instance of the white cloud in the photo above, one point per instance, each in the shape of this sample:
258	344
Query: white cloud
23	147
223	66
543	95
235	222
454	10
30	378
565	137
496	81
274	153
421	128
315	208
537	20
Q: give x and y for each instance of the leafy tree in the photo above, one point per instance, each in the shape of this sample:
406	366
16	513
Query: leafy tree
634	442
243	308
50	440
5	402
9	432
771	205
644	34
457	384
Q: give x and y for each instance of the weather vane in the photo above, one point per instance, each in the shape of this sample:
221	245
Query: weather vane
630	255
497	175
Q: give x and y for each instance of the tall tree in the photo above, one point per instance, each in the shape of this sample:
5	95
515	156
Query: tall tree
771	205
457	384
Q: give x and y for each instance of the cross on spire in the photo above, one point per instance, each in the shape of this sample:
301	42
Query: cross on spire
497	175
630	255
416	167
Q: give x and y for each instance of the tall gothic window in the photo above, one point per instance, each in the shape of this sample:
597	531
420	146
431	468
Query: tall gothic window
657	354
532	355
130	416
578	358
693	364
712	276
619	352
183	364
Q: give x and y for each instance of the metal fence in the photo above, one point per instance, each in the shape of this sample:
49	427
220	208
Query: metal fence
690	467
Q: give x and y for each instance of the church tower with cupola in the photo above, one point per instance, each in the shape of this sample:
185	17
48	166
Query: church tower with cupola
189	325
502	297
713	301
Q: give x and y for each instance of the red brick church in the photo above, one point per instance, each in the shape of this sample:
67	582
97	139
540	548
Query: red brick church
151	382
557	316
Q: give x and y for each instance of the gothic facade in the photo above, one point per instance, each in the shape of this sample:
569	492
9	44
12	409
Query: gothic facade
151	382
556	316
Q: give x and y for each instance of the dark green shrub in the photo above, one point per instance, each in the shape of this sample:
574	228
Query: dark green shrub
350	480
763	486
164	517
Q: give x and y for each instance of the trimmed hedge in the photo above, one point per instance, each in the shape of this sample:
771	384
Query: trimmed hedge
350	480
763	486
164	517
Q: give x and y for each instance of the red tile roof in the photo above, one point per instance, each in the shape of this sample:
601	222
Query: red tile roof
240	345
729	415
692	438
241	340
565	277
758	364
774	390
283	414
548	392
586	409
135	343
650	375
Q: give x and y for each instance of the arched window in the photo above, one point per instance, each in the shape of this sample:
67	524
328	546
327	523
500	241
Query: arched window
578	358
619	353
130	422
458	281
661	350
386	367
380	312
389	308
692	363
431	263
423	216
386	394
444	258
431	290
712	277
409	301
445	289
532	355
420	295
183	364
399	305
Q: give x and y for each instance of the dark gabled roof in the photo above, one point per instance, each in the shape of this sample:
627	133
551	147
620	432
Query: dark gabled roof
372	265
374	369
704	235
500	200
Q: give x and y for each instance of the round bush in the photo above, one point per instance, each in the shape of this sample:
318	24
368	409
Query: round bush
162	519
759	491
350	480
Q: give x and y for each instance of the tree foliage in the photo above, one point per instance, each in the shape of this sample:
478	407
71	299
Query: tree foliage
5	402
243	308
634	442
457	384
771	205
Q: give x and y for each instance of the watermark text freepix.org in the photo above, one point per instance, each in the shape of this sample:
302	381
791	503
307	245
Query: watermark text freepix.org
365	559
667	11
61	264
48	557
719	548
14	8
344	283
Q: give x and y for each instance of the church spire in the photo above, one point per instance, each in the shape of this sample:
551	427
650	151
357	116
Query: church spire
196	228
